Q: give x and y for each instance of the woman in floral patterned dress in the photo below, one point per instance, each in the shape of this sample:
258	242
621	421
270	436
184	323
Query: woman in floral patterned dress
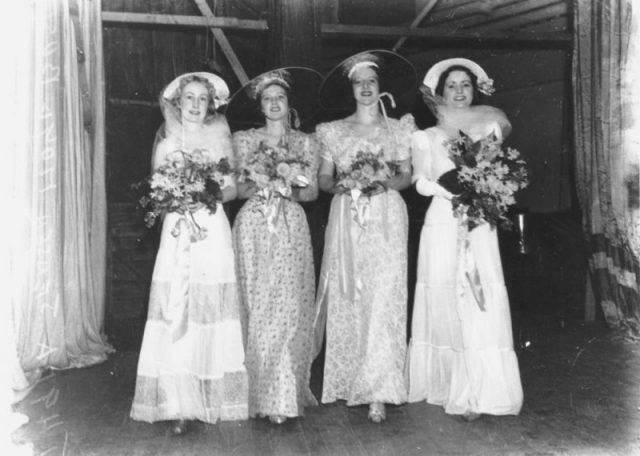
274	259
362	292
191	362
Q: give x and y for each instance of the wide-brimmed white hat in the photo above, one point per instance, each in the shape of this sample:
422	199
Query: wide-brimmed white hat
485	84
221	96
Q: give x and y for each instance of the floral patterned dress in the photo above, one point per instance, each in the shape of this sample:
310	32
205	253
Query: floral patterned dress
363	280
191	362
274	265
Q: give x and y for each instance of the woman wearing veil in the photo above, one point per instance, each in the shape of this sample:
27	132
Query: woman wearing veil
274	259
191	364
461	352
362	293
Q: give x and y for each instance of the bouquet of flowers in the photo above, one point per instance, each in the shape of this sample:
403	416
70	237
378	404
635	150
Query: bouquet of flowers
183	184
366	171
276	170
485	180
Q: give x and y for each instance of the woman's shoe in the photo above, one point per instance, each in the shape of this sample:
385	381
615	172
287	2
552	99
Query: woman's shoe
179	427
470	416
377	413
277	419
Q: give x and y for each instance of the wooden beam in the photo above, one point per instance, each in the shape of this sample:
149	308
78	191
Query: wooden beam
462	11
537	15
558	24
127	102
224	44
500	10
370	31
416	22
187	21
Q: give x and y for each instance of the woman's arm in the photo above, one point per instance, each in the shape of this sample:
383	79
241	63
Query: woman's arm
160	154
241	148
229	190
326	179
401	180
312	151
422	173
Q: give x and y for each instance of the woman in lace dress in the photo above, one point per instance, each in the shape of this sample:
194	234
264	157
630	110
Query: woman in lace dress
461	353
274	260
362	292
191	364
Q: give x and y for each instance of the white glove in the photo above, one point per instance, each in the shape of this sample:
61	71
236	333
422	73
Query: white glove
428	187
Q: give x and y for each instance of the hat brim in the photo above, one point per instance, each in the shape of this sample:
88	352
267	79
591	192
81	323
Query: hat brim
220	87
398	77
243	111
433	75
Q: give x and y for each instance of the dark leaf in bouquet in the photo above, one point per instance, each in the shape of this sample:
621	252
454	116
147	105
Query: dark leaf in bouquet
224	166
394	168
450	182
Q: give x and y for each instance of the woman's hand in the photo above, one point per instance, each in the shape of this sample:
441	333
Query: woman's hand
246	189
376	189
427	187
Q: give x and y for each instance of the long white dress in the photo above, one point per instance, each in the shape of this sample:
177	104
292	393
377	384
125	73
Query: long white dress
191	362
459	356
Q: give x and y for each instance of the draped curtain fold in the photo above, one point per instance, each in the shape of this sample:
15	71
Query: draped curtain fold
56	174
606	94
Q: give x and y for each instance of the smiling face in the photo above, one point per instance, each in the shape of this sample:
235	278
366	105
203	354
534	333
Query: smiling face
458	89
194	102
366	87
274	102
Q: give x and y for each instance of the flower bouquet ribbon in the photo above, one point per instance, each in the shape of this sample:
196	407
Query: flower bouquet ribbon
367	172
276	171
483	182
467	274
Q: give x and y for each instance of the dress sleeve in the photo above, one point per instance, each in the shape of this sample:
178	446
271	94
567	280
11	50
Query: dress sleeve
422	158
404	127
161	151
323	133
421	155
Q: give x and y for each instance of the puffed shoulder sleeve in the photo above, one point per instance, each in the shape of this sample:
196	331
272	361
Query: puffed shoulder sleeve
161	151
323	136
406	126
241	146
496	121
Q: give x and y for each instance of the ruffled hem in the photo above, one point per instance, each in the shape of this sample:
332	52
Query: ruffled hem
185	396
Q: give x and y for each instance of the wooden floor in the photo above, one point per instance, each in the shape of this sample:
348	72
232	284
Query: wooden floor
581	397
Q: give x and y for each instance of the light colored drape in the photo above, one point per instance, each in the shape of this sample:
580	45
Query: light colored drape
605	94
56	179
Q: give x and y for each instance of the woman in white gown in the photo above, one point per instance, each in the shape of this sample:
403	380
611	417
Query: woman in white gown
461	352
191	364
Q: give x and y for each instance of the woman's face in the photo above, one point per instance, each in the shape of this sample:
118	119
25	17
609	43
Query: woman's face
458	89
274	102
194	101
366	88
